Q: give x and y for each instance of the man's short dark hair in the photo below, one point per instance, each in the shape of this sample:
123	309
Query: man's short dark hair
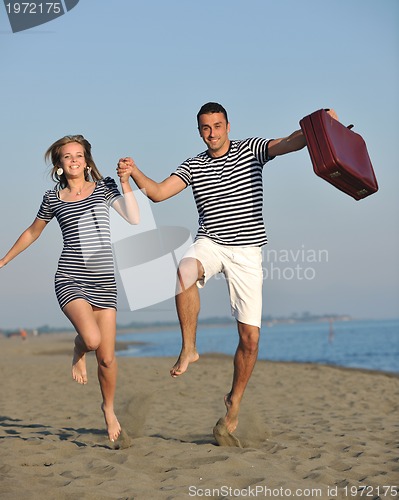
212	107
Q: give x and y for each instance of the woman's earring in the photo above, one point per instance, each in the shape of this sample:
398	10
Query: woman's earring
60	171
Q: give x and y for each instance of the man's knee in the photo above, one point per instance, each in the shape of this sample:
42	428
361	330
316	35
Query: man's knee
249	337
190	270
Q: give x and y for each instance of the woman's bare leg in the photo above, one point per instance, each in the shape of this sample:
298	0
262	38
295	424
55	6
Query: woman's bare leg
96	331
107	368
80	314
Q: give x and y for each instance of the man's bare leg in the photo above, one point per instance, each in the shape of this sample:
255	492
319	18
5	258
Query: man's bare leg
187	306
244	362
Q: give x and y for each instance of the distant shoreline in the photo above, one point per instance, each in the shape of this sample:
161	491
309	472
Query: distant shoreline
168	325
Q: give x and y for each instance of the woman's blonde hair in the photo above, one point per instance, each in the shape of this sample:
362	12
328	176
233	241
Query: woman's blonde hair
54	155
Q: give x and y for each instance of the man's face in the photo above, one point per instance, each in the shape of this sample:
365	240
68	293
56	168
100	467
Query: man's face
214	131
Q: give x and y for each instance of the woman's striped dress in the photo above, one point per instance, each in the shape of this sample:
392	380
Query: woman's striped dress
85	267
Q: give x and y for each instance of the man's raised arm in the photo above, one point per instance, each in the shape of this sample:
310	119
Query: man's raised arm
291	143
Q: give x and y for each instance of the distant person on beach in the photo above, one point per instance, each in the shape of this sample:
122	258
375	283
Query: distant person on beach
226	180
85	284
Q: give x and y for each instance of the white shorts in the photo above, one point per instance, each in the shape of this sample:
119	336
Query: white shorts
242	267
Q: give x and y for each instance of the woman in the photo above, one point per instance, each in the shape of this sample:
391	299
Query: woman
84	282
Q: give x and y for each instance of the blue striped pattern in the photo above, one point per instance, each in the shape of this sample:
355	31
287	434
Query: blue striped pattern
85	267
228	192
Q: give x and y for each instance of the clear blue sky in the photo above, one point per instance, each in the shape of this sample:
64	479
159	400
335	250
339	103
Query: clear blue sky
131	76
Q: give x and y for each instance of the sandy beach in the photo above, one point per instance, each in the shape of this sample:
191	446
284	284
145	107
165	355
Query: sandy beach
307	431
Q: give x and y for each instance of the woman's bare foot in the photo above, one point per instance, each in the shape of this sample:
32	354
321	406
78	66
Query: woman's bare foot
182	363
113	426
231	418
79	367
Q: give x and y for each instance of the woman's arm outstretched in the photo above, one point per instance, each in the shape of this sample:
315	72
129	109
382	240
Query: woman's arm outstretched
29	236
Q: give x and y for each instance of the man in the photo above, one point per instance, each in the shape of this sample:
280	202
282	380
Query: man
227	185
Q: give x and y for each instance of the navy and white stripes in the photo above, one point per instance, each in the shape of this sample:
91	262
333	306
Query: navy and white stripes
228	192
85	267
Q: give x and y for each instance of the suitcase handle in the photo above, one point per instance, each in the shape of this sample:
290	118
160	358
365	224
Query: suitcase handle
349	126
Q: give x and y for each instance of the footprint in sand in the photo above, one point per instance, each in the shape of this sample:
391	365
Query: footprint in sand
124	441
223	436
132	418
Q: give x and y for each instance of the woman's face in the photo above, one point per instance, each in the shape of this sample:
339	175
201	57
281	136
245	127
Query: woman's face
72	159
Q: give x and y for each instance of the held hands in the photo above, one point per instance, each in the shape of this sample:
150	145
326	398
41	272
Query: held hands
125	169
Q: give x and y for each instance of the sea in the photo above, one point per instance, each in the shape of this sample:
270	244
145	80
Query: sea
366	344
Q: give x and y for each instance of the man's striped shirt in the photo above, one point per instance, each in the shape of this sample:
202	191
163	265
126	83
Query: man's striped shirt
228	192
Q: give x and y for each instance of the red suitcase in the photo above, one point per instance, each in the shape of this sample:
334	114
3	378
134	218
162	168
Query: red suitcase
339	155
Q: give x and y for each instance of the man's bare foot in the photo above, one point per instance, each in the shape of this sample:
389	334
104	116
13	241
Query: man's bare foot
223	436
113	426
231	418
79	367
182	363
